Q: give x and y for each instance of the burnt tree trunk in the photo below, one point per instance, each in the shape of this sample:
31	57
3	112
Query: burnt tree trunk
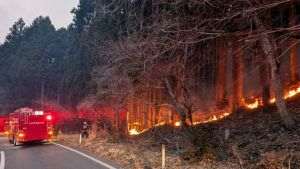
264	73
156	105
269	49
180	108
148	107
293	51
238	80
221	76
293	63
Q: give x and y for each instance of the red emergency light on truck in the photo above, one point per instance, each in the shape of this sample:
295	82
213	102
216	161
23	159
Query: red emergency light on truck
2	123
28	125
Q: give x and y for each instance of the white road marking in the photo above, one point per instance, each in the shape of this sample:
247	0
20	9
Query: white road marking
13	148
86	156
2	160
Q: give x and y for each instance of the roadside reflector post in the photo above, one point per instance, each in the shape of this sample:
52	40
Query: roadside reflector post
80	138
227	134
2	160
163	155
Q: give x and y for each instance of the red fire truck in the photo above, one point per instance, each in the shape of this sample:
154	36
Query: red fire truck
2	123
29	125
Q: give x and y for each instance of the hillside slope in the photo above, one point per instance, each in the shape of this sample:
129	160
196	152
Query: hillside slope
246	139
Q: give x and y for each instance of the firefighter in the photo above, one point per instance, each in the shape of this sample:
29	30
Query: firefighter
85	130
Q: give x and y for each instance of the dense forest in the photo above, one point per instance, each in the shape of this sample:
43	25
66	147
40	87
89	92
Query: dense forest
40	62
178	58
216	76
152	57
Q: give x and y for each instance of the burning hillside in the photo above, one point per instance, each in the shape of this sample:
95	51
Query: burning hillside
200	118
248	139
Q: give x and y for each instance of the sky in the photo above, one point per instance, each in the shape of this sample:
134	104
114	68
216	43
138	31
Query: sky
57	10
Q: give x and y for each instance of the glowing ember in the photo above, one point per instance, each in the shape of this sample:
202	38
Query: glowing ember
272	100
197	122
160	124
298	89
226	114
253	105
177	124
289	94
214	118
292	93
134	132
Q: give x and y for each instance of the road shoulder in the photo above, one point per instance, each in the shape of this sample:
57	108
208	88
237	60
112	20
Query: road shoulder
104	162
2	160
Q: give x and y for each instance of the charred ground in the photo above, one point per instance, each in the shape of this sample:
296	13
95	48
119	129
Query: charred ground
256	139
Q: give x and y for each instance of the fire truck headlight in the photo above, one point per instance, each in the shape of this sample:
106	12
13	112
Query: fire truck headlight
21	135
50	132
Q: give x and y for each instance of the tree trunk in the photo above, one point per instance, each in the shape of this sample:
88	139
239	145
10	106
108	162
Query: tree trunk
264	73
180	109
293	63
293	52
148	107
221	76
269	50
238	79
117	120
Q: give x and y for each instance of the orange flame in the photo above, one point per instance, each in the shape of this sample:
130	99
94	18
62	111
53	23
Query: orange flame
134	132
256	103
253	105
289	94
213	118
177	124
272	100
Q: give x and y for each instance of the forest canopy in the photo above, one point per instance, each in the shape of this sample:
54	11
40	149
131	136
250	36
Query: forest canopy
194	56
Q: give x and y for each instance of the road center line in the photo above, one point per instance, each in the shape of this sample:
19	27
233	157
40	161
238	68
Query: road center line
85	155
2	160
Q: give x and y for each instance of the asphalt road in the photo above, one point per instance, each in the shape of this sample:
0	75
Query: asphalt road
47	156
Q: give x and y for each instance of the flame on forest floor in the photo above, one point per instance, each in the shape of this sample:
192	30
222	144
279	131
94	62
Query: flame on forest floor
160	124
214	118
134	132
177	124
253	105
289	94
256	103
210	119
292	92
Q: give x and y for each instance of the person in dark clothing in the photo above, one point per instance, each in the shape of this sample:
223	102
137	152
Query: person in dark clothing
85	130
